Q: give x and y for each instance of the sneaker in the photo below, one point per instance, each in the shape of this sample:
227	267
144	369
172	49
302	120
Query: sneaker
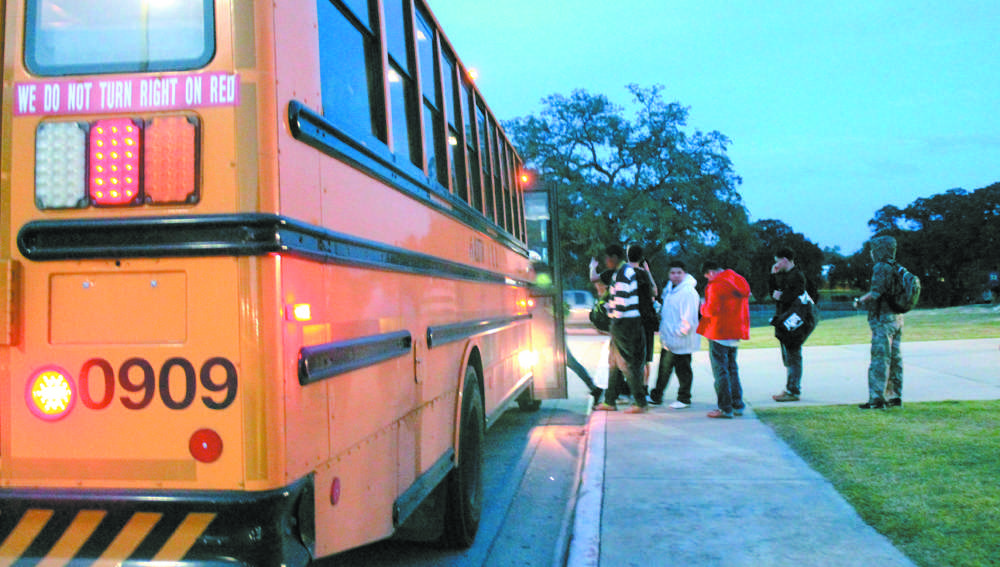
596	393
605	407
679	405
737	412
719	414
785	397
656	401
637	409
873	404
894	403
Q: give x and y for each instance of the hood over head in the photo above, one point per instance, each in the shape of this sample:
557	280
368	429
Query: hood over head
883	248
688	281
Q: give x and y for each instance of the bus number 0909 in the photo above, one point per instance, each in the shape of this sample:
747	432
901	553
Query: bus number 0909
136	376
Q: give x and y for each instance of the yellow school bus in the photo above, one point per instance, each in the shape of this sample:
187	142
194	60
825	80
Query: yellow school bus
265	280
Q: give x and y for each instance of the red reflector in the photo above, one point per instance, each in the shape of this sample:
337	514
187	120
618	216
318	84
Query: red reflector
205	445
335	491
114	162
170	160
50	393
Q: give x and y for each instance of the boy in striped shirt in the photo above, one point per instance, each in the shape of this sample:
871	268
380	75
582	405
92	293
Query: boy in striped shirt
628	340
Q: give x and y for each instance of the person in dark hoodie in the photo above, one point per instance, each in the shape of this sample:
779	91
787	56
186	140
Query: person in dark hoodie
725	321
885	372
787	283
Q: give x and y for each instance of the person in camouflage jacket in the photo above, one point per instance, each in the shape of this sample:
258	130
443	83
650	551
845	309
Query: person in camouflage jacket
885	372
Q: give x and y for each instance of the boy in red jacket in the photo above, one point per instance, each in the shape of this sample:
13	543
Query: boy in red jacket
725	320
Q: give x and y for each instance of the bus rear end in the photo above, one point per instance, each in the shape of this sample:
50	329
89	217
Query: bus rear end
129	314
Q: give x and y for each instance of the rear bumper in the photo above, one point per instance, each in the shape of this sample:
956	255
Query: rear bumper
159	527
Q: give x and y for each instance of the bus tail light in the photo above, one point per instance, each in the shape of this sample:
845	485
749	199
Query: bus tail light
50	393
205	445
170	160
116	162
60	165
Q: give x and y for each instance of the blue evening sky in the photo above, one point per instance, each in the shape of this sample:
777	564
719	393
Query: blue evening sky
835	109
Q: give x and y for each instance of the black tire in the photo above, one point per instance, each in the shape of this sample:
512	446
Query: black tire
465	482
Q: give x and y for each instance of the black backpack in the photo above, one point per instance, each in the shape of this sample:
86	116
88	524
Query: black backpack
905	292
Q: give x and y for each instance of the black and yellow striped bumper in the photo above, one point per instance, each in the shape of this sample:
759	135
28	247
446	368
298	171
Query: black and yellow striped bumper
55	528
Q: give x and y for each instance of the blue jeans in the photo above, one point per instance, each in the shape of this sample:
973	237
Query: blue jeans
727	377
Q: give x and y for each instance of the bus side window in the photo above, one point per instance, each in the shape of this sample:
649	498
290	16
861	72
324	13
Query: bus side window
402	90
452	109
350	82
428	86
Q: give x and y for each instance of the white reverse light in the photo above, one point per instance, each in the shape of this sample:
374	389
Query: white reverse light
60	165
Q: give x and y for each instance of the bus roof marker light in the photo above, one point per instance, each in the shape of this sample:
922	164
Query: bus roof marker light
50	393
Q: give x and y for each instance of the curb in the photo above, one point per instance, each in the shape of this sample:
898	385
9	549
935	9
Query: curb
585	540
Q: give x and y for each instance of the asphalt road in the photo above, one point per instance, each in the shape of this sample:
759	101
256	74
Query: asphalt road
530	475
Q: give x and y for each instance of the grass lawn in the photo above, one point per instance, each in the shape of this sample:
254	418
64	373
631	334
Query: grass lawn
968	322
925	476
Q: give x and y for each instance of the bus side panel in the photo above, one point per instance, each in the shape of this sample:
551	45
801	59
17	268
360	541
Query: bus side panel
297	51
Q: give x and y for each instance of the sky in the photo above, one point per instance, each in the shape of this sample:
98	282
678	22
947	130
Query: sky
834	109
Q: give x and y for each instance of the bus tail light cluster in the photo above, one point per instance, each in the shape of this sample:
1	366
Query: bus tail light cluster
116	162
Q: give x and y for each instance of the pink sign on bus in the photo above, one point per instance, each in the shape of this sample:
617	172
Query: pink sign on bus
133	93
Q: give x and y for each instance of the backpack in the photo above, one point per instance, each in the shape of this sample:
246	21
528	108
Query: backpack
905	290
599	313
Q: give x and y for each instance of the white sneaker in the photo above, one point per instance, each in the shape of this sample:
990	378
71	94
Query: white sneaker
679	405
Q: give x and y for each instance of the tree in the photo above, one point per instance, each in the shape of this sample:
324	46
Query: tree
949	240
641	178
772	235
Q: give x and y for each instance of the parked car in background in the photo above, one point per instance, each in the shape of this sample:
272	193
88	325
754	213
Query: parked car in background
579	302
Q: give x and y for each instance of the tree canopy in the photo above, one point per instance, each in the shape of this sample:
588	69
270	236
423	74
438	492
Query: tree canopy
950	240
639	177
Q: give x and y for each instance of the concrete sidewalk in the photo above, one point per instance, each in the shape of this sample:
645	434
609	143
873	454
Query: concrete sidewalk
672	487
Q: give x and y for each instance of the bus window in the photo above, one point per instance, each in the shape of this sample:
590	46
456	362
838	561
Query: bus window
107	36
360	10
347	59
484	160
475	179
452	112
405	130
428	86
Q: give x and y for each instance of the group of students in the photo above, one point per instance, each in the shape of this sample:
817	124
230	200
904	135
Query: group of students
723	317
682	319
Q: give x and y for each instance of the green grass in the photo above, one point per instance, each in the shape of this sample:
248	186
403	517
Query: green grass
925	476
969	322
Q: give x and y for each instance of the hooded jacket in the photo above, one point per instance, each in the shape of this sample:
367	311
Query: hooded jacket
679	317
883	251
726	312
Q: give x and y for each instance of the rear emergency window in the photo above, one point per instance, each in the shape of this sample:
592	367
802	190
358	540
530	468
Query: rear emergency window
65	37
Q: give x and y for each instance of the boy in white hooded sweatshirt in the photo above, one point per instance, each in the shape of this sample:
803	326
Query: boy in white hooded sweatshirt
678	323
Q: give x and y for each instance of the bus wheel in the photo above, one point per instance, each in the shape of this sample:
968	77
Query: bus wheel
465	482
526	402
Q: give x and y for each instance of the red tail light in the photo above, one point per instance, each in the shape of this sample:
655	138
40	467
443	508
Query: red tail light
114	162
170	160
